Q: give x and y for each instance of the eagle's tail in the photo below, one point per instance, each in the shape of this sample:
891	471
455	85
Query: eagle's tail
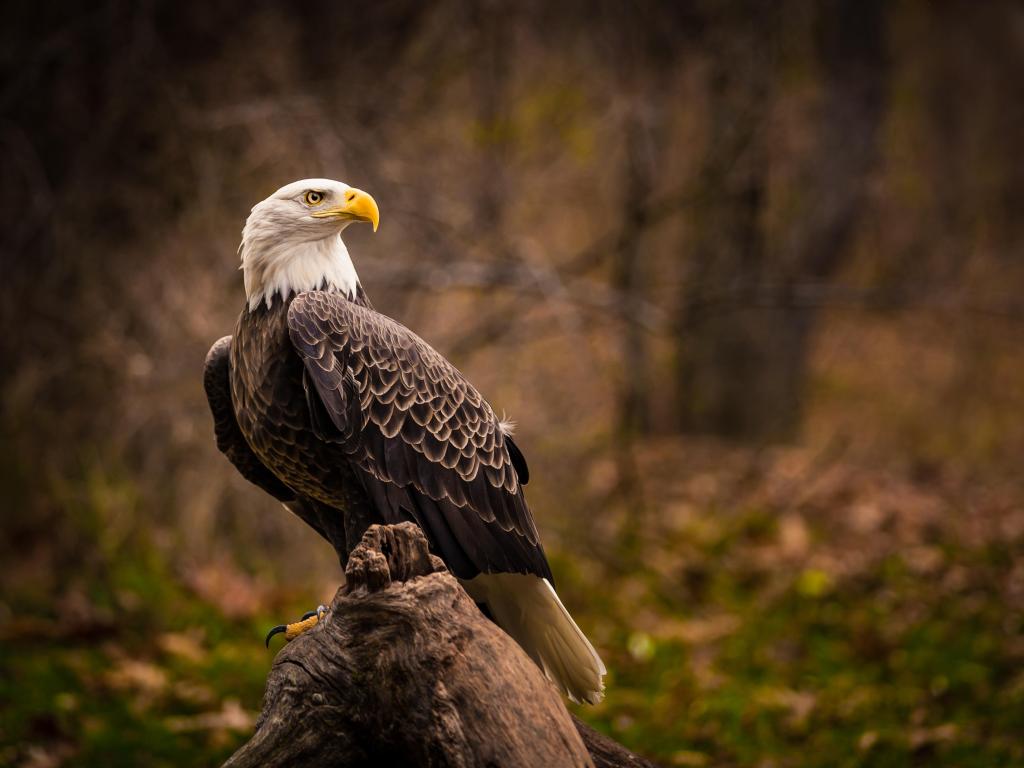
527	607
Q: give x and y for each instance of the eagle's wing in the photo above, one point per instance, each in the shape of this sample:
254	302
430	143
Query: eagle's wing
427	445
230	440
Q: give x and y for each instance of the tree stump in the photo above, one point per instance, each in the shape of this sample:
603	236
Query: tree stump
404	669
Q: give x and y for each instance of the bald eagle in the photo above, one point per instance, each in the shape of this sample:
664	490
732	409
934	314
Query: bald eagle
349	419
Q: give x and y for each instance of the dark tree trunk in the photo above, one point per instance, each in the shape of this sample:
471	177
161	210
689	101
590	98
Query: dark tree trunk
405	670
628	275
645	47
743	332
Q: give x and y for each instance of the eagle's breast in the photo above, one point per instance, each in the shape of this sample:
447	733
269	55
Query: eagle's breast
270	406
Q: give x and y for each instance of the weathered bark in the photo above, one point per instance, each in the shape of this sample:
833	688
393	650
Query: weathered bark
404	669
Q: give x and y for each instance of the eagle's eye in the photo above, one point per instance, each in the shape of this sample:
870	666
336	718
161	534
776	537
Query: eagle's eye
312	197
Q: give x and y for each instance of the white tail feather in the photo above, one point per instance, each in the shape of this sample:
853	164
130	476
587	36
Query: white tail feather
528	609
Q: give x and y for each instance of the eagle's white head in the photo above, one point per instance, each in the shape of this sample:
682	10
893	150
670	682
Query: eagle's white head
292	240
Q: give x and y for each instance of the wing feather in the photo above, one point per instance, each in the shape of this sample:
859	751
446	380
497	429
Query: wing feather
428	445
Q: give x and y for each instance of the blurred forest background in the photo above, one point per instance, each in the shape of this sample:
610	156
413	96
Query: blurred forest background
747	274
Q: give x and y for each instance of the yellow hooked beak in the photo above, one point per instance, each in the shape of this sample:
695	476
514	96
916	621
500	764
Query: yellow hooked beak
358	206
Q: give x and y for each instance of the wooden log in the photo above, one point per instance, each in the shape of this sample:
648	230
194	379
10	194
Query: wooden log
404	669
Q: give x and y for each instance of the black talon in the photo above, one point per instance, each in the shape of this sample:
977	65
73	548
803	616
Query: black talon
319	613
279	629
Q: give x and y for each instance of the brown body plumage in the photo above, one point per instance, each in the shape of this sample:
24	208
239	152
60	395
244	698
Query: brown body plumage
352	412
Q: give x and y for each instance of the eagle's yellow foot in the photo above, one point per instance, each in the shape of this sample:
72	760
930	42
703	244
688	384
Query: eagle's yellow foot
291	631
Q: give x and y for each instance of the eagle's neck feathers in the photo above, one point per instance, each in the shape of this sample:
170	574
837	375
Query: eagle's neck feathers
275	265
